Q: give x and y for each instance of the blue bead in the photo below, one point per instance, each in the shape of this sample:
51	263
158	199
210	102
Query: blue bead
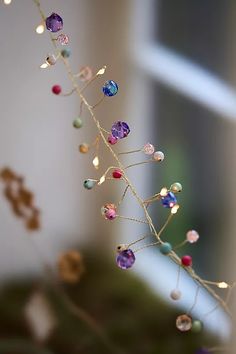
165	248
169	200
65	53
89	183
110	88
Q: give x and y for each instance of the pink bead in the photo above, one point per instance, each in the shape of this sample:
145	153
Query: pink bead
56	89
148	149
192	236
187	261
85	73
117	173
112	140
63	39
110	214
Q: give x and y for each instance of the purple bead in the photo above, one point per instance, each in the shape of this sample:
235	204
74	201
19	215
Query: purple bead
125	259
54	23
169	200
120	130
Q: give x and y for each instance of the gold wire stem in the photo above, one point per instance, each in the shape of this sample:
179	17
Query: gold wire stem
140	239
129	152
195	300
131	219
147	246
180	245
68	93
99	102
152	199
123	195
173	256
138	163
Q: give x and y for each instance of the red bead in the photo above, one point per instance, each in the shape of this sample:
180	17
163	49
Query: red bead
117	173
56	89
187	261
112	140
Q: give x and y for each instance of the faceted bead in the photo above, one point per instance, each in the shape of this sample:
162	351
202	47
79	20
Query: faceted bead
187	261
84	148
165	248
110	214
51	60
85	73
120	130
196	326
110	88
117	173
192	236
106	207
54	23
125	259
77	123
184	323
65	53
148	149
56	89
112	140
176	187
89	183
169	200
158	156
63	39
175	294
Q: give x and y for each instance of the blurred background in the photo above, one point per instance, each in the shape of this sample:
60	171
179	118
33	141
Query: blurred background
175	66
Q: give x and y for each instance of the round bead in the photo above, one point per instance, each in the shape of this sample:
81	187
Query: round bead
192	236
148	149
175	294
125	259
111	139
51	60
106	207
89	183
184	323
65	53
196	326
158	156
110	88
187	261
117	173
63	39
85	73
56	89
120	130
83	148
169	200
54	23
77	123
165	248
110	214
176	187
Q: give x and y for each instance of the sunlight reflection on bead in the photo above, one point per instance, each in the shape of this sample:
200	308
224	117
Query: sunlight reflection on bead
40	29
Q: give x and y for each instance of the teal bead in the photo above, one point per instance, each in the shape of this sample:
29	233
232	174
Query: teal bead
89	183
196	326
165	248
77	123
65	53
176	187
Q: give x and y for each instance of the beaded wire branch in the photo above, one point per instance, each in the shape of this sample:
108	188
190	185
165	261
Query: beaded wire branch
167	196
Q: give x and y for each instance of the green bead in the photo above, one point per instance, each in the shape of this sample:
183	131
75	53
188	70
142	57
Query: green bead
89	183
77	123
65	53
165	248
196	326
176	187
